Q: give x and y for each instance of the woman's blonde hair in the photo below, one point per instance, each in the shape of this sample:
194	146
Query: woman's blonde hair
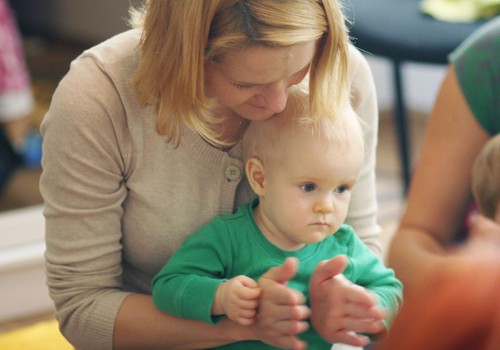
180	35
486	178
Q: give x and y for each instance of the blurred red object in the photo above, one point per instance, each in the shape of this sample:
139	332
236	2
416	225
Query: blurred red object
457	307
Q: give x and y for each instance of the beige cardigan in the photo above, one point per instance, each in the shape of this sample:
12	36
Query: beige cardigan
119	199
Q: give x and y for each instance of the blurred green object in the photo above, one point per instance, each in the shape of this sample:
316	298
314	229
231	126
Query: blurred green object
461	11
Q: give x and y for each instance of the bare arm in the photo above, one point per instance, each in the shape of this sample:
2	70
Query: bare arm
281	314
139	325
467	299
440	187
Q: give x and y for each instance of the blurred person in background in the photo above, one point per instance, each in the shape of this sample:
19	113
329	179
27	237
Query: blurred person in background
20	143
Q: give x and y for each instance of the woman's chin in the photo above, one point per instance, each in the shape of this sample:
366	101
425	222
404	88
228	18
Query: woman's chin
255	113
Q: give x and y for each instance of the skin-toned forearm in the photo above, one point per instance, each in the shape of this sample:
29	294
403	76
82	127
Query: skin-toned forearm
413	252
439	193
139	325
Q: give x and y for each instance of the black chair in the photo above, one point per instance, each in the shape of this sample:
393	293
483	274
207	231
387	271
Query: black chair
399	31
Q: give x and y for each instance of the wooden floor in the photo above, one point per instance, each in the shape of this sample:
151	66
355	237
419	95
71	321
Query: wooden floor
25	321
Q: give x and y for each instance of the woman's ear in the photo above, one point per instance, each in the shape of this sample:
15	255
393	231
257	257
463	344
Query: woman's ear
255	174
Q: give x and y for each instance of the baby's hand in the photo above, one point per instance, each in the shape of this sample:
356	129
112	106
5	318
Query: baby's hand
238	299
341	309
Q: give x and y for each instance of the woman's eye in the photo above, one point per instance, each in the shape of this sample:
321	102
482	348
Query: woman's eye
308	187
242	86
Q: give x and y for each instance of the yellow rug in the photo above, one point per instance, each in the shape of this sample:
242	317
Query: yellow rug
40	336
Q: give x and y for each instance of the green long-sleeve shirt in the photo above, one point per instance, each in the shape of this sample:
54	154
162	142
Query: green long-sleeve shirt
232	245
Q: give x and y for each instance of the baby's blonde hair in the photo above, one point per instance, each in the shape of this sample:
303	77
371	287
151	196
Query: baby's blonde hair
180	35
486	178
267	139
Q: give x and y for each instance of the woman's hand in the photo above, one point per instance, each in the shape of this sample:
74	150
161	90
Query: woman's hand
282	313
339	308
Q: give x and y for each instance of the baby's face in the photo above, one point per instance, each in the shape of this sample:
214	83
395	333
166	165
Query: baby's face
307	192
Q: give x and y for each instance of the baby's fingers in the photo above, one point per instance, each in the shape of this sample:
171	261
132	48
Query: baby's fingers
252	304
249	289
249	293
247	281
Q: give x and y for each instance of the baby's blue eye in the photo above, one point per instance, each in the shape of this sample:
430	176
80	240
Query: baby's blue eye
308	187
342	189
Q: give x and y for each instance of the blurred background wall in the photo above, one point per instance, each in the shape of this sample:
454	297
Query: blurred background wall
90	21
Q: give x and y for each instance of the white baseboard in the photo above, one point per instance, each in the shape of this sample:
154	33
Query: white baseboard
23	291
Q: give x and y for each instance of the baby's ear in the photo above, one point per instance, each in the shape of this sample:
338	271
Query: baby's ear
255	174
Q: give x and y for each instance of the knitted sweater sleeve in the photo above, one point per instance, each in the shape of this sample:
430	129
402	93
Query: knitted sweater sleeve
186	286
362	215
83	189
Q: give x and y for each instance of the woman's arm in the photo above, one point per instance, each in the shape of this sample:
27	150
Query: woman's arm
140	325
440	187
456	304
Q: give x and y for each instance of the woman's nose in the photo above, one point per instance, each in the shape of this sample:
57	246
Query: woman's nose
276	96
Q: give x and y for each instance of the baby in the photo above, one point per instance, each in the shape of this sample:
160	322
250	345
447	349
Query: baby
303	173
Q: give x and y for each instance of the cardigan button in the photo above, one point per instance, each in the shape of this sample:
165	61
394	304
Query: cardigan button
233	173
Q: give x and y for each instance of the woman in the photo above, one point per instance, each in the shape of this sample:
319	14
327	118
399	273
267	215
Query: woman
465	117
141	149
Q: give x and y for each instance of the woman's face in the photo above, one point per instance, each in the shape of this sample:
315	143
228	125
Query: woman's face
254	82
